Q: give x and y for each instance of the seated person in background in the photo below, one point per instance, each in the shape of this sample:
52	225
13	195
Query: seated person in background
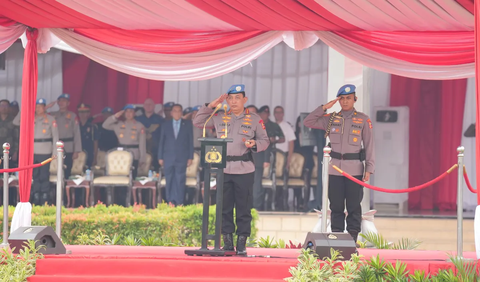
107	139
152	123
89	133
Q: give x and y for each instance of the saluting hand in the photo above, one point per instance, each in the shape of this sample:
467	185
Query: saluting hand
119	114
330	104
51	105
218	101
250	143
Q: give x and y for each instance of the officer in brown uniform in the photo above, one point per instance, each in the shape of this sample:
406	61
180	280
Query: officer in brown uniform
347	130
130	133
44	146
248	133
68	131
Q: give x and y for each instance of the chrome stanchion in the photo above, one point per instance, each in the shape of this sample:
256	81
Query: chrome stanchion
6	152
58	222
325	167
460	151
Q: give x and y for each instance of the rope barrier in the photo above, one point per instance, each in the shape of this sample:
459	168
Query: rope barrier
469	185
407	190
26	167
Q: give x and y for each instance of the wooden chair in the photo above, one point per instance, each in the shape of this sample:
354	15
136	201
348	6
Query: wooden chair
274	178
118	172
193	177
137	187
99	168
78	168
297	179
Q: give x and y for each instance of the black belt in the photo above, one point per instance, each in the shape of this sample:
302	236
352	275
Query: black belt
67	139
43	140
129	146
347	156
243	158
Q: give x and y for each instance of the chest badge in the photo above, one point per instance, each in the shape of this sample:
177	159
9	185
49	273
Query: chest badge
120	135
44	131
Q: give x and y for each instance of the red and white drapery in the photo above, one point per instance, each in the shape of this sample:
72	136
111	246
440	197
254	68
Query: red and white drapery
197	39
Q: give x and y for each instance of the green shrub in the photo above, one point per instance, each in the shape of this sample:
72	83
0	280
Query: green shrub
18	268
175	225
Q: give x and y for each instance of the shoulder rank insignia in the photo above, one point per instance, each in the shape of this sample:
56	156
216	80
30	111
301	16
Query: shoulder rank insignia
261	122
54	124
369	123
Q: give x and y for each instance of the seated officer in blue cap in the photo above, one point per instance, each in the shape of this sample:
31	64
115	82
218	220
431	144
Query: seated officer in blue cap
14	109
44	146
351	139
130	133
107	139
167	109
249	135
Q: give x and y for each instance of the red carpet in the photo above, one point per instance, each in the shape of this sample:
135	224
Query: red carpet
122	263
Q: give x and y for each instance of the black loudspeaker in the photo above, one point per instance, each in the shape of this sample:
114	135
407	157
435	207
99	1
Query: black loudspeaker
42	235
321	243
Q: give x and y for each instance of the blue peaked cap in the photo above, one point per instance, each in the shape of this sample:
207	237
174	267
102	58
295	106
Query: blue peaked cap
14	104
346	89
64	95
236	88
196	108
187	110
41	101
129	107
107	110
168	105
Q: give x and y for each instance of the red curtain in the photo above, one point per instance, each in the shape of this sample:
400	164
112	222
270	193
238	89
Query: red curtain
29	95
477	89
94	84
436	118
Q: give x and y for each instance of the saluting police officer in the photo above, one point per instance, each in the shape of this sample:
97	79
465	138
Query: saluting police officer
68	131
248	134
90	134
44	146
130	133
347	130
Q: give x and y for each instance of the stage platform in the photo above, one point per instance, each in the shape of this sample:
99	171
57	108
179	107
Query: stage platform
124	263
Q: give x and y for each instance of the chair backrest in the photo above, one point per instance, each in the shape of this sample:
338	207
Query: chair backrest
53	166
145	167
281	163
297	163
118	162
193	168
79	164
315	167
101	159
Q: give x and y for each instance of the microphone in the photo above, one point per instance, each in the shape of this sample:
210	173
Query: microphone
205	125
226	127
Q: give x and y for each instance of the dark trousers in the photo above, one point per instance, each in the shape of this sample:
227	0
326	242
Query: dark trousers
258	190
341	190
68	162
237	193
41	175
135	169
175	177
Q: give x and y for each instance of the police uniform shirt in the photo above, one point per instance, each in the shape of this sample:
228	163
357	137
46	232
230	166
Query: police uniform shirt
68	130
129	133
8	134
347	133
240	128
90	134
45	134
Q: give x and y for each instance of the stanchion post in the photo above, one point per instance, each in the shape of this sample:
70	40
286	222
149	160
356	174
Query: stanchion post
58	222
6	152
460	151
325	167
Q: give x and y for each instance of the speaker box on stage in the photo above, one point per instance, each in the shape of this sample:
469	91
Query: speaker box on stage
321	243
42	235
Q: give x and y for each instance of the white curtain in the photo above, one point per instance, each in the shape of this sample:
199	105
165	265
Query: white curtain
469	199
296	80
49	74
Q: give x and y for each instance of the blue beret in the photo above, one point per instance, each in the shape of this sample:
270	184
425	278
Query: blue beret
236	88
41	101
168	105
346	89
14	104
107	110
187	110
129	107
196	108
64	95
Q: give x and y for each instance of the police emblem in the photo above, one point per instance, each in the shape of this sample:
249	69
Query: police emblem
213	156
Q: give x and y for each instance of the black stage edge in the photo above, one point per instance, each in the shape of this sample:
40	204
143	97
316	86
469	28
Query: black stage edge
213	160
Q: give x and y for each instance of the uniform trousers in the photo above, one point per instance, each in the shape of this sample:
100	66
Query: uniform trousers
68	162
341	190
238	194
41	175
175	177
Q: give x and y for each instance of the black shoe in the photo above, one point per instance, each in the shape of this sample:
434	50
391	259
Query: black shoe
354	236
241	243
228	242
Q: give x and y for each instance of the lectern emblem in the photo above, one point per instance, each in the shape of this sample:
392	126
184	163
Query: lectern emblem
331	236
213	156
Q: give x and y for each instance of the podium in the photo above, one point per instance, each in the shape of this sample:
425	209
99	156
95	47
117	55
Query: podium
213	159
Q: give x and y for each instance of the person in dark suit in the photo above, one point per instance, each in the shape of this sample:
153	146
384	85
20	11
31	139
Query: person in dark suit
175	153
